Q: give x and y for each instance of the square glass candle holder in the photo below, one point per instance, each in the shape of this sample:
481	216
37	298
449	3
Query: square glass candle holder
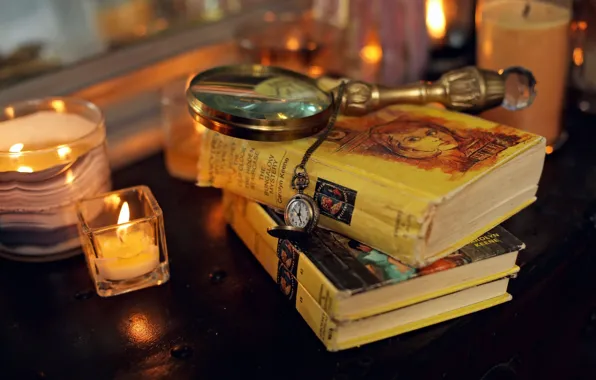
123	238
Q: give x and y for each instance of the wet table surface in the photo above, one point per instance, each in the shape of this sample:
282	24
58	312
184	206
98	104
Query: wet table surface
221	317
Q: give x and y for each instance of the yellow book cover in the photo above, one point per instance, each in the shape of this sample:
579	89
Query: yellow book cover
379	178
338	335
351	284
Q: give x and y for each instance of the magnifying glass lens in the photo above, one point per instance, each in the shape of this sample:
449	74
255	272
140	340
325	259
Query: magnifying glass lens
268	97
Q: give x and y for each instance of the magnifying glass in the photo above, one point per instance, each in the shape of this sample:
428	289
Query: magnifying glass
267	103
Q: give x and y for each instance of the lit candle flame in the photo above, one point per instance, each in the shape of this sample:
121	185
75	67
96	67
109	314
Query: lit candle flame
123	217
15	150
64	151
58	106
372	52
25	169
436	21
578	56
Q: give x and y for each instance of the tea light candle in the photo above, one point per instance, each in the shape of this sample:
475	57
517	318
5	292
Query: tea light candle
122	235
126	254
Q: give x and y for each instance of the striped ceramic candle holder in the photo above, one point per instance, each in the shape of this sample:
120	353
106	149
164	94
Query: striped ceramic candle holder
52	154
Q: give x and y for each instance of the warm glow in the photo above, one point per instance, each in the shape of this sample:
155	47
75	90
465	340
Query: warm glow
25	169
189	79
216	228
9	112
582	25
69	177
371	53
578	56
436	23
64	152
16	148
140	329
124	216
112	200
315	71
292	44
58	105
199	128
549	149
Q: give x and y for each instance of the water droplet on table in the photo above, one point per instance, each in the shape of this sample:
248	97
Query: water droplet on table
217	276
182	351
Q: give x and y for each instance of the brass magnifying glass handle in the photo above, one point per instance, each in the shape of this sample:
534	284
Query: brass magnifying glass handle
466	89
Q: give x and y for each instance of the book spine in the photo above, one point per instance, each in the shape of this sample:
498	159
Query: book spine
239	211
324	327
390	219
308	308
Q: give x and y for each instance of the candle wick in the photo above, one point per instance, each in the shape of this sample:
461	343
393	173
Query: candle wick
527	9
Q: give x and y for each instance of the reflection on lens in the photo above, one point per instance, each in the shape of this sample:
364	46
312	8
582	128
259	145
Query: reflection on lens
274	97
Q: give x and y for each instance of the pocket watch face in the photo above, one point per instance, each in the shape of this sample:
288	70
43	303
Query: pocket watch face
299	213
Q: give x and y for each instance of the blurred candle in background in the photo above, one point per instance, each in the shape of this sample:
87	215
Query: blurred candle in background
182	134
535	35
583	45
386	41
449	22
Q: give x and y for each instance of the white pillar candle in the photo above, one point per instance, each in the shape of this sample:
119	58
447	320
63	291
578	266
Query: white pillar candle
41	131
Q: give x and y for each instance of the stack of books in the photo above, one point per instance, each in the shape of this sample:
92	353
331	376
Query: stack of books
411	200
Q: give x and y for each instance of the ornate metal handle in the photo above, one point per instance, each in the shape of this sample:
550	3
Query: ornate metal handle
466	89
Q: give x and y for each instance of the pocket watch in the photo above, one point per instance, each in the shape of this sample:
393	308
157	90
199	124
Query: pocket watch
301	214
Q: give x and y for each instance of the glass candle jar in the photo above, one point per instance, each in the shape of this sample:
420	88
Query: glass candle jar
122	234
182	134
52	154
295	41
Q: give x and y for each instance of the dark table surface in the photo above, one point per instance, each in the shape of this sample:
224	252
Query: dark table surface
53	326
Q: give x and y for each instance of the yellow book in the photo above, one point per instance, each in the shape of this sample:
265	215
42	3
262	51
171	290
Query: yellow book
350	282
340	335
414	182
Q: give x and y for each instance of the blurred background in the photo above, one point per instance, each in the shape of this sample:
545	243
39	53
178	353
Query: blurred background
355	37
133	58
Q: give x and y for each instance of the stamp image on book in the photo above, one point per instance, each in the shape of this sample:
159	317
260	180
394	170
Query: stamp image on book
335	201
288	254
286	281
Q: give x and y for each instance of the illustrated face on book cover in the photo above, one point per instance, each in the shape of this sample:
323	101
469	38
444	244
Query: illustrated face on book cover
425	141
